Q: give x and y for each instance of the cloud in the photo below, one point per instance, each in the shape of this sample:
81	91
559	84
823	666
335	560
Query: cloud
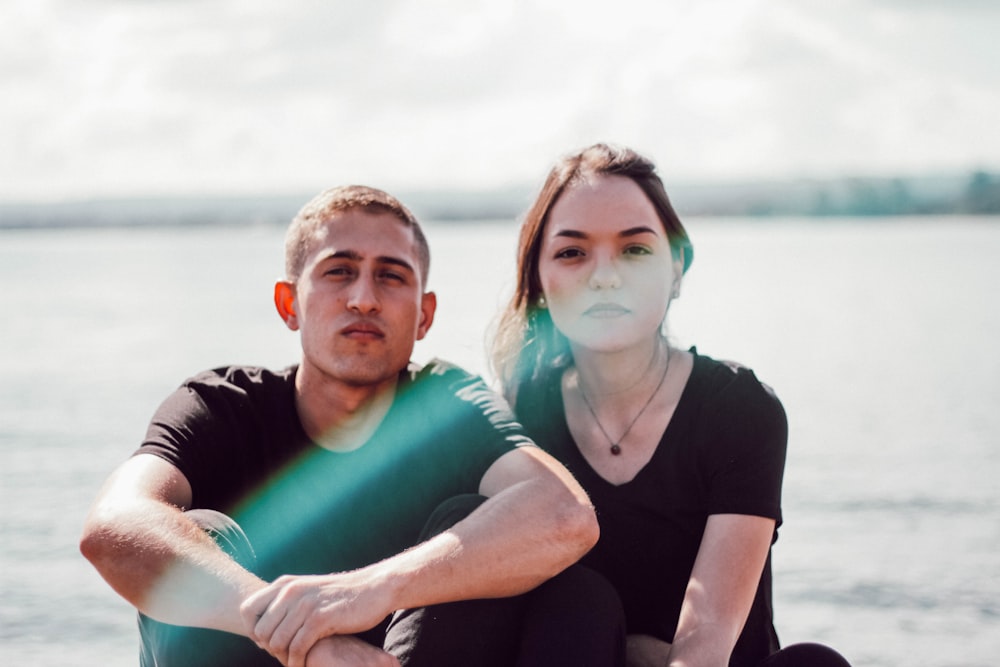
111	97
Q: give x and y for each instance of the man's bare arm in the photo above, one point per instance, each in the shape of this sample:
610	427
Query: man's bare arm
536	522
138	538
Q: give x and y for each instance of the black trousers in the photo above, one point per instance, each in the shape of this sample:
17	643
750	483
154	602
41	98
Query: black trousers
574	618
805	655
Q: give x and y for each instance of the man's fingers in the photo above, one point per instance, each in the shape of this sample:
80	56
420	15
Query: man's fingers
253	607
271	632
300	647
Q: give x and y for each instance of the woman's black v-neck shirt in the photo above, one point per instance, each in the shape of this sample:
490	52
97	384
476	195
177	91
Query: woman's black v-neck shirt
722	453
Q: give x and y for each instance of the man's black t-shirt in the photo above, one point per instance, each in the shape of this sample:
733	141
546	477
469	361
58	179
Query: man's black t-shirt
235	434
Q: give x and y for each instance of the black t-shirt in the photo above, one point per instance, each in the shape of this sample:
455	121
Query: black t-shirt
235	434
723	452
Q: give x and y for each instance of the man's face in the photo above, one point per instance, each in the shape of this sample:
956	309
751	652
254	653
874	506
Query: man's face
359	303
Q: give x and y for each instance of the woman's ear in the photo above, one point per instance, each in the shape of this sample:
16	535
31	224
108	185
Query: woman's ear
678	270
284	301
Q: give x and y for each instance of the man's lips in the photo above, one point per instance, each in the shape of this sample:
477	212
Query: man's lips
605	310
364	330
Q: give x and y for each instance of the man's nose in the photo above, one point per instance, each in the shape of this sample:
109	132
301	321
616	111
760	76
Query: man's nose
363	296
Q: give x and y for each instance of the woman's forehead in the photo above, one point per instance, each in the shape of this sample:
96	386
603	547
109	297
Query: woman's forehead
602	203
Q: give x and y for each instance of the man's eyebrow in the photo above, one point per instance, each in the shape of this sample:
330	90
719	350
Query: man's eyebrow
396	261
345	254
355	256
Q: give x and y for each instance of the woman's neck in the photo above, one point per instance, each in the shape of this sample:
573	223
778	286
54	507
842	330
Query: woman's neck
613	376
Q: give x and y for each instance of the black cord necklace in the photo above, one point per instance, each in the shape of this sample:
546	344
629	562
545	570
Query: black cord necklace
615	445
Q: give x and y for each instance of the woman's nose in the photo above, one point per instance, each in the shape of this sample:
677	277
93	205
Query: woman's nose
605	274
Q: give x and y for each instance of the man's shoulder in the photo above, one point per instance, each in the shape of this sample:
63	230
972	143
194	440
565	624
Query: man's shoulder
242	376
441	388
438	372
240	382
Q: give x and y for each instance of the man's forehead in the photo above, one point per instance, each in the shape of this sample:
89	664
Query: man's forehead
364	233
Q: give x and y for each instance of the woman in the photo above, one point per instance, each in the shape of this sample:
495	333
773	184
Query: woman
682	455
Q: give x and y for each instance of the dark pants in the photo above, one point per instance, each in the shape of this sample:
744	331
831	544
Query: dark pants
574	618
805	655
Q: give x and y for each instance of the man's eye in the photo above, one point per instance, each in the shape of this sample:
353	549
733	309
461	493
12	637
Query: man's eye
393	276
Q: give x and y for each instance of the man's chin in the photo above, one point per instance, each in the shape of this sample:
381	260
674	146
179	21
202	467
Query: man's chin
367	374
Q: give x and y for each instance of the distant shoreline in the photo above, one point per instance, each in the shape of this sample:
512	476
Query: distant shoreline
977	193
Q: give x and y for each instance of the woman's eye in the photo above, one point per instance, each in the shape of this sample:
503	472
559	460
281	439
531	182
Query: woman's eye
569	253
638	250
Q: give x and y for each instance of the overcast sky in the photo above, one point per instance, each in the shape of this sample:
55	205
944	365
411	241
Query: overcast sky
109	98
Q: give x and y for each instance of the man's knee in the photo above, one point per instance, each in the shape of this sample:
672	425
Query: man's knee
450	512
582	597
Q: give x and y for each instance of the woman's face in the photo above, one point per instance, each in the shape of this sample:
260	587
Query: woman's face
605	265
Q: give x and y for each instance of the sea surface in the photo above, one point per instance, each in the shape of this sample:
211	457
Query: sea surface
880	337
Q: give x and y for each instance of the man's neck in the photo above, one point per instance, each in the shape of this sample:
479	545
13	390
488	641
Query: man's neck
342	417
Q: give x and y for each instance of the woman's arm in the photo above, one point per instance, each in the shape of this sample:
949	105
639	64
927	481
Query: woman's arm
721	590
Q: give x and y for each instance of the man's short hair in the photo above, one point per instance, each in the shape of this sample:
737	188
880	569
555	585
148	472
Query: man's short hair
305	225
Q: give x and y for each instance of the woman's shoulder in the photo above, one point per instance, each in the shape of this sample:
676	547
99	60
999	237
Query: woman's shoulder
728	381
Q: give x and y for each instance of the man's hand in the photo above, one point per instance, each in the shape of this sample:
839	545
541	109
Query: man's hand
291	614
347	651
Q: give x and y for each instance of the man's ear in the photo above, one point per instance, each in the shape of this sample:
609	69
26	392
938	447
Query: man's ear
428	305
284	301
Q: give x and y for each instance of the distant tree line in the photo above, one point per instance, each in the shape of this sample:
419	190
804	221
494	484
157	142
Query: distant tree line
868	197
975	194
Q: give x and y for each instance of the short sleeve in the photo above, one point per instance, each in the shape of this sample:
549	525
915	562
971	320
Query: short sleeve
196	429
469	425
744	451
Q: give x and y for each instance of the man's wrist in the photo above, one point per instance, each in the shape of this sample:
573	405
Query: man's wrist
389	585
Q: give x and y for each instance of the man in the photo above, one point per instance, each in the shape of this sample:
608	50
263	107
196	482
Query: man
331	468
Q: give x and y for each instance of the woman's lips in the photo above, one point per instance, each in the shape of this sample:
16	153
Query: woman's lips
605	310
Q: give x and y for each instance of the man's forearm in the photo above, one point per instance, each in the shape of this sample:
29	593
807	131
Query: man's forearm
514	541
166	566
526	532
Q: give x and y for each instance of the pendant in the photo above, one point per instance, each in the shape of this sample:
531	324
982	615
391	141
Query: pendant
616	450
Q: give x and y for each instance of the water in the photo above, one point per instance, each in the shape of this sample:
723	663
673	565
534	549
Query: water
878	336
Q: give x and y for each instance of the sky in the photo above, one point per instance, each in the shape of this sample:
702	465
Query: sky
116	98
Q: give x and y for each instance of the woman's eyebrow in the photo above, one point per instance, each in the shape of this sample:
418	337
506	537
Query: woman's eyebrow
635	231
631	231
571	233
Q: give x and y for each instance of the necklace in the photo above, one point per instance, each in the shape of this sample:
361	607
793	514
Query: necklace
615	446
